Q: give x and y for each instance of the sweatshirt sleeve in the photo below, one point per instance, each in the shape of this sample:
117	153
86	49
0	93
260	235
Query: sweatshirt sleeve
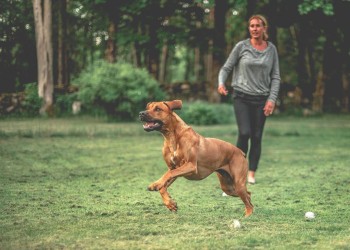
275	78
231	61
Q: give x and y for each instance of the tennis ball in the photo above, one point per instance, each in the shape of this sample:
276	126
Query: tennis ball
236	224
309	215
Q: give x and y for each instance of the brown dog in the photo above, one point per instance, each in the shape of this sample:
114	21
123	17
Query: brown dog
194	157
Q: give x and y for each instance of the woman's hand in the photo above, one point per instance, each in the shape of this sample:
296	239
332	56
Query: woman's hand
222	90
269	107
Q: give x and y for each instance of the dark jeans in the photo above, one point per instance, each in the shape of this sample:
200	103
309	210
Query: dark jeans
250	120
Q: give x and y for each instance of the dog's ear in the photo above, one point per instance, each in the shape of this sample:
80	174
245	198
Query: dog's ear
176	104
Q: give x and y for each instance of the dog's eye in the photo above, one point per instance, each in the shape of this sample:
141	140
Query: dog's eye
158	109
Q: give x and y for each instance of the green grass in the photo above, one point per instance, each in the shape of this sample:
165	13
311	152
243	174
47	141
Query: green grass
81	184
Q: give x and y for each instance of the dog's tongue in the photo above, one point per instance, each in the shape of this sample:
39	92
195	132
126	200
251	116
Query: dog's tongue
148	124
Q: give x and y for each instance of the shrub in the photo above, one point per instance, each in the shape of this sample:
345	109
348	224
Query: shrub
32	102
63	103
204	113
120	89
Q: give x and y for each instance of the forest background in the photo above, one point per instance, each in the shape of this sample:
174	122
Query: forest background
117	54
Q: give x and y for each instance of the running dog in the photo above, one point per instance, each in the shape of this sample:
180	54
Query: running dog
190	155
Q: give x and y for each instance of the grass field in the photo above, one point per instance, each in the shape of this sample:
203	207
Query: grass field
81	184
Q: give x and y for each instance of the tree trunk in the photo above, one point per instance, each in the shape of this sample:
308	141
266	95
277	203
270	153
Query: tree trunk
197	65
112	9
188	64
163	63
43	26
197	60
62	64
317	101
346	92
219	46
251	7
136	54
341	10
110	53
303	76
332	69
270	12
209	63
153	52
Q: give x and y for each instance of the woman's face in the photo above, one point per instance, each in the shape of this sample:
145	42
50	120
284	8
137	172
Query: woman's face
256	28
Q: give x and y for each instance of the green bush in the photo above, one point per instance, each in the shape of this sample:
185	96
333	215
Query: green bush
63	103
204	113
120	89
32	102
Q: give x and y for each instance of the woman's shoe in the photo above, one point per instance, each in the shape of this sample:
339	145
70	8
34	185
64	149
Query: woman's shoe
251	180
251	177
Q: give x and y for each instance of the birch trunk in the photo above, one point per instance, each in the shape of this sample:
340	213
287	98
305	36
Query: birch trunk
43	24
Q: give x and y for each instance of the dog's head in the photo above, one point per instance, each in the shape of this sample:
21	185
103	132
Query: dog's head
158	113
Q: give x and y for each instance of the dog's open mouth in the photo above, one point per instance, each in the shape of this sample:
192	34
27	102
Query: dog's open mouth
149	124
152	125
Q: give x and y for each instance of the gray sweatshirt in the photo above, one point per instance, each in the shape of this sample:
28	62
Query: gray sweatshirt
254	72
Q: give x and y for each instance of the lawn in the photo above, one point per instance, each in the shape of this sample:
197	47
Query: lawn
80	183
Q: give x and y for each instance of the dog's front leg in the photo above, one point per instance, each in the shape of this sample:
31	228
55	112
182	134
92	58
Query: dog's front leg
157	185
168	177
167	200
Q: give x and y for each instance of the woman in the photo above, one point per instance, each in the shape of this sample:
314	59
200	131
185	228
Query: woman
255	82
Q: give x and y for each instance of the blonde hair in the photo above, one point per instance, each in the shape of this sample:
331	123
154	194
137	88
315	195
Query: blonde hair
264	22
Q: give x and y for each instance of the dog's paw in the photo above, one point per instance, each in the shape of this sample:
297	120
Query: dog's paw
151	188
154	187
248	212
171	205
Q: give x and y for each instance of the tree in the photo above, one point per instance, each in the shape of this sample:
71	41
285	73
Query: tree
186	41
219	45
62	54
333	72
112	8
341	10
43	22
17	45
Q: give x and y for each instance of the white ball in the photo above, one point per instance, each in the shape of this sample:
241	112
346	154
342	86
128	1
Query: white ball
236	224
309	215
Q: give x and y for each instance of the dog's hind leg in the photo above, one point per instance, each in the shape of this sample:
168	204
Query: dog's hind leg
238	170
226	182
243	193
234	187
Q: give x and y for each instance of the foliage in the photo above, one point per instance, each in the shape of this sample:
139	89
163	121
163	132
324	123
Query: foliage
120	89
179	66
310	5
204	113
63	103
32	102
182	35
81	183
17	45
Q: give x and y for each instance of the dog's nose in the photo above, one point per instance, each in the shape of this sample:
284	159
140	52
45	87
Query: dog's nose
142	114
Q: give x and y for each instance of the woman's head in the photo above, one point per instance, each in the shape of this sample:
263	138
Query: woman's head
258	27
